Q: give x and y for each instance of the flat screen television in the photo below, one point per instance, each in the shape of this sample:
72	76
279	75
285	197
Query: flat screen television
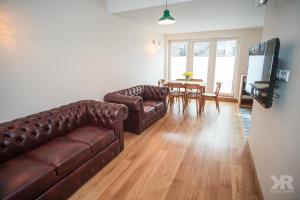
262	69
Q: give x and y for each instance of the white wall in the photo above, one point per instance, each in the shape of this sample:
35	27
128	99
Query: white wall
247	37
55	52
275	136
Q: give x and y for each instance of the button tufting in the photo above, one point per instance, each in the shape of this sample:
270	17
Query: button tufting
19	140
46	129
23	129
2	146
33	134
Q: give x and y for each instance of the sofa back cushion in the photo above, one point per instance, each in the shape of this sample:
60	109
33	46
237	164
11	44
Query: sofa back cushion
155	93
133	91
24	134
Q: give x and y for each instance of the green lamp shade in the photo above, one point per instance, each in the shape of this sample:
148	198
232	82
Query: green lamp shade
166	18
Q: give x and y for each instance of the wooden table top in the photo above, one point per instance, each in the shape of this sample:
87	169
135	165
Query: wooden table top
190	82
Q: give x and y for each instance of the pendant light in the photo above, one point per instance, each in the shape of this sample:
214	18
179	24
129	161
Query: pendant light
166	18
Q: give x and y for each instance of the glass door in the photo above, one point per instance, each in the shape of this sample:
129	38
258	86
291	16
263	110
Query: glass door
226	52
178	59
201	56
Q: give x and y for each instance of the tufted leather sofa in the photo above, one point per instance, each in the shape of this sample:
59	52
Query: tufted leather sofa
146	105
50	154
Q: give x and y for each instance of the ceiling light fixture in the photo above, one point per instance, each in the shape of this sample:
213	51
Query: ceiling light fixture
260	3
166	18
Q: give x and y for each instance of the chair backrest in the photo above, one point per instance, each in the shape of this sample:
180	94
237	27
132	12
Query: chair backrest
218	88
192	86
195	79
161	82
175	86
198	89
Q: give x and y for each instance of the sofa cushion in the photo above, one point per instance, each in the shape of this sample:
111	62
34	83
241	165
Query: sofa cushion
155	103
148	111
63	153
96	137
24	177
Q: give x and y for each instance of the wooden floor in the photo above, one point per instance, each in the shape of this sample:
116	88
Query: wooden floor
182	156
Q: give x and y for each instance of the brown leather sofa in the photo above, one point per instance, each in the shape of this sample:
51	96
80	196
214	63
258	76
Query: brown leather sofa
51	154
146	105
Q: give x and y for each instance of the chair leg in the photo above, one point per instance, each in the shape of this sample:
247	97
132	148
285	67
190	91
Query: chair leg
217	105
183	104
197	106
178	99
171	101
203	105
200	105
186	101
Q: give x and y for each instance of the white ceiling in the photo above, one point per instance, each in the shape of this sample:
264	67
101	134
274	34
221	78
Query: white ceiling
115	6
191	15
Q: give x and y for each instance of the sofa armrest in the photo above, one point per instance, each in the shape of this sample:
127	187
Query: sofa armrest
155	93
108	115
132	102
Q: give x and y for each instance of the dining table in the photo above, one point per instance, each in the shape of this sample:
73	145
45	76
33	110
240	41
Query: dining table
201	83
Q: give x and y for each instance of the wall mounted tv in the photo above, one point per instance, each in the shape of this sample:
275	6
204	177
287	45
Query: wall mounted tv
262	69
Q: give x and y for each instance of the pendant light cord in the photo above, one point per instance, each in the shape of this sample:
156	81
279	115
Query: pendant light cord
166	4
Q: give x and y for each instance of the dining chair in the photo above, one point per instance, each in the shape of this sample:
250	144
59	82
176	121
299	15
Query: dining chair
161	82
175	93
194	92
181	80
214	96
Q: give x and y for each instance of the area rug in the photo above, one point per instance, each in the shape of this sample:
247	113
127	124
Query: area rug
246	120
